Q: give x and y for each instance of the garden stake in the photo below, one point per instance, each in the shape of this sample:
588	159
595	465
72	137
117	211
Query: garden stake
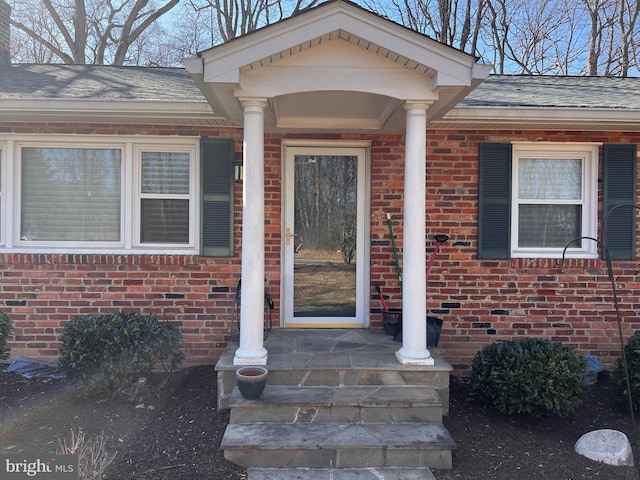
395	252
440	239
381	297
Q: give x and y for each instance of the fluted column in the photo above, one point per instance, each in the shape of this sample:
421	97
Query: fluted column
251	350
414	284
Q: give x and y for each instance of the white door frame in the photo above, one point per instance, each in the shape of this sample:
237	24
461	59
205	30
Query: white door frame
362	150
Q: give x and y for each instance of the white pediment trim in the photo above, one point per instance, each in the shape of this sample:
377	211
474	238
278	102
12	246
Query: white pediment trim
312	59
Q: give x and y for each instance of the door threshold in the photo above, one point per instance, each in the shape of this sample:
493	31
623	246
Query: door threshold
323	325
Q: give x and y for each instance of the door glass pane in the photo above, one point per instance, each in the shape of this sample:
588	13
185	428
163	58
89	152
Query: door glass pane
325	224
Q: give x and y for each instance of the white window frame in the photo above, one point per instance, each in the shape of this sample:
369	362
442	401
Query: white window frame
137	178
131	146
588	154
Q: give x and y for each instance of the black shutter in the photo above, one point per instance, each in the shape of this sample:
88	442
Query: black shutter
619	188
494	201
217	196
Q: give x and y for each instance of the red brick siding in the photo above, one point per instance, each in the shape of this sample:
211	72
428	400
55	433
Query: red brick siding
480	301
41	292
485	301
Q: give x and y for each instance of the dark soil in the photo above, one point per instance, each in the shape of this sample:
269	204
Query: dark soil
175	433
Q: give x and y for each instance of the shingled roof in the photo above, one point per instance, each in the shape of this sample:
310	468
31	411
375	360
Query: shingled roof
172	89
102	82
98	82
100	93
554	91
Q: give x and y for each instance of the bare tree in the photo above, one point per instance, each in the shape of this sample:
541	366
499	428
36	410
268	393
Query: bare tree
592	37
87	31
613	42
536	37
23	48
628	11
180	35
237	17
453	22
599	21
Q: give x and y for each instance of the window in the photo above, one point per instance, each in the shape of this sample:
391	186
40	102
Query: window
165	187
535	198
70	194
75	194
554	200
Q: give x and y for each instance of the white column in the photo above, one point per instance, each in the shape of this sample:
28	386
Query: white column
251	350
414	284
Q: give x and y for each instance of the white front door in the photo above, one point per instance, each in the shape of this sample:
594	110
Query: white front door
325	229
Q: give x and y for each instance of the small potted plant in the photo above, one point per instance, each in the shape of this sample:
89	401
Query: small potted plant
251	381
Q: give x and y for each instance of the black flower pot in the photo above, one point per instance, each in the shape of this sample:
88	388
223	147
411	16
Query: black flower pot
391	320
251	381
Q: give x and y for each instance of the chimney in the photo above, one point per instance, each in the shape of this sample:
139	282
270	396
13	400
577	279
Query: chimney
5	47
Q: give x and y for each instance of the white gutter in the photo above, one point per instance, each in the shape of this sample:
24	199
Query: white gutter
541	115
12	108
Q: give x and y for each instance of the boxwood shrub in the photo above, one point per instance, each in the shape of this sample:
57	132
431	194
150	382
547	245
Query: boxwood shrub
632	354
524	375
106	354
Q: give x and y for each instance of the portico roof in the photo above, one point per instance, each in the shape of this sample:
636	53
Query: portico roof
335	67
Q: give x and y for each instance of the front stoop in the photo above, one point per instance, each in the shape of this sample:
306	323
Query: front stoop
338	406
390	473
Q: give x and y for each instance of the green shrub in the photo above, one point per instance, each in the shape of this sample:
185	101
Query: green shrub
521	376
632	354
6	329
106	354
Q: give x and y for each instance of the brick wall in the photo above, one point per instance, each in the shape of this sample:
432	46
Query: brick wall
42	292
485	301
479	301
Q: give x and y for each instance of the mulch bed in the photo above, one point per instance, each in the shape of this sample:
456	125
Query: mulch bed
175	433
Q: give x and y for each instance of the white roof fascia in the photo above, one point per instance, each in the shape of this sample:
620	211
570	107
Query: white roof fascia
194	65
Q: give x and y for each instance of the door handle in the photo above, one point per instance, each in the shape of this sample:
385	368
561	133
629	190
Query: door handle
288	236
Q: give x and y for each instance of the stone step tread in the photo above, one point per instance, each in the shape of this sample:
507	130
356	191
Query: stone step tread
324	396
378	473
299	436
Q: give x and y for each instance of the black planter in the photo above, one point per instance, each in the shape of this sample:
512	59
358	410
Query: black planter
392	320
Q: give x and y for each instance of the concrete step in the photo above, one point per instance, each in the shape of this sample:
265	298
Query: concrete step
338	445
438	379
358	404
311	358
386	473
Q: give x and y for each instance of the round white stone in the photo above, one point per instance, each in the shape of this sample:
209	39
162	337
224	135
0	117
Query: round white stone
607	446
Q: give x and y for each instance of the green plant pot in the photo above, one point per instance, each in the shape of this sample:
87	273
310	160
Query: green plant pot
251	381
